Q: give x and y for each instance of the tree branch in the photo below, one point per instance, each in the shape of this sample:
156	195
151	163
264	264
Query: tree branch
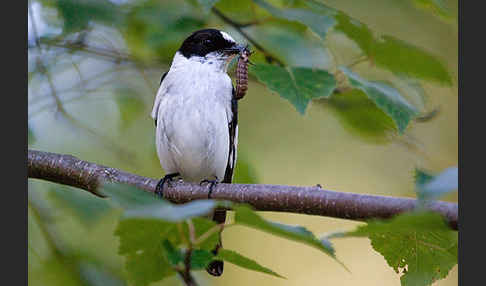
68	170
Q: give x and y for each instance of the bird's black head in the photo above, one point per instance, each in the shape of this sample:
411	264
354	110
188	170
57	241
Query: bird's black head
206	41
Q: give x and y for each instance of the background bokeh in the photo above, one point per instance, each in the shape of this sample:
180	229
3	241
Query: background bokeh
97	106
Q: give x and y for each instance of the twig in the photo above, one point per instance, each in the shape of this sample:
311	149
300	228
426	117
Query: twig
186	273
269	57
68	170
192	232
123	154
214	229
105	53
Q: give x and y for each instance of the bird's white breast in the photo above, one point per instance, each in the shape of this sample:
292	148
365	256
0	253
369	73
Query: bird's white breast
193	109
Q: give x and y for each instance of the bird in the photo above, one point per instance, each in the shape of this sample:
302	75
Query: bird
196	116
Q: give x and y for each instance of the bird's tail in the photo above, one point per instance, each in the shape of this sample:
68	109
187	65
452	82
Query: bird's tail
216	267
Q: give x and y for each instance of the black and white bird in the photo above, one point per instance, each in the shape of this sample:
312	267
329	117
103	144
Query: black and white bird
196	115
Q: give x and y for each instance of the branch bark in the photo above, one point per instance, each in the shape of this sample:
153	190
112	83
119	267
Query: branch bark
68	170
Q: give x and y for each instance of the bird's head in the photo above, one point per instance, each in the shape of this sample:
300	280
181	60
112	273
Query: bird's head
210	45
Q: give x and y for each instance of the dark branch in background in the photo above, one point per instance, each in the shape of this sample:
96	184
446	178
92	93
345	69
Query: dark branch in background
239	27
68	170
95	51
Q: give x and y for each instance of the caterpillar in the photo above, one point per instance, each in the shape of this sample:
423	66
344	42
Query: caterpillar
242	74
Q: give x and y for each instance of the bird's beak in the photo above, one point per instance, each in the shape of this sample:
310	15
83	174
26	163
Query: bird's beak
236	49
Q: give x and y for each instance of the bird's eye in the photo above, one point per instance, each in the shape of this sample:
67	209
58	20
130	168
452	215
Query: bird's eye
207	41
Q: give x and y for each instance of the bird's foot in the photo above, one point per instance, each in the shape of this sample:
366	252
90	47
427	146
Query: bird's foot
212	184
159	189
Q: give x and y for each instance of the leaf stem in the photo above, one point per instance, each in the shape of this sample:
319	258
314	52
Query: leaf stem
192	232
209	232
181	233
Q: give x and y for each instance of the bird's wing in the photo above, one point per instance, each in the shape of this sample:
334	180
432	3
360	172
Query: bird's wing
233	141
162	78
157	100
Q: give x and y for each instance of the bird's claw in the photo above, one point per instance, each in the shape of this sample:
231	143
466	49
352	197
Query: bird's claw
159	189
212	184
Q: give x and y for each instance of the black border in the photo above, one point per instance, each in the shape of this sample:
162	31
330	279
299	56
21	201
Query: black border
471	142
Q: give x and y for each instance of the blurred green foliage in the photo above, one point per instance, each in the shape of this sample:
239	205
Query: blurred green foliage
91	85
77	15
430	187
156	28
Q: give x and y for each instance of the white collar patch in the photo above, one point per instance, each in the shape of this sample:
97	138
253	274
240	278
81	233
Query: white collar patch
227	37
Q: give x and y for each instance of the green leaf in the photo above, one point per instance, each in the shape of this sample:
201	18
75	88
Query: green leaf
319	23
420	242
240	260
174	255
328	245
130	106
360	116
141	242
82	205
127	196
146	267
290	43
386	98
403	58
356	31
432	187
171	212
207	4
78	14
200	259
201	226
246	216
144	234
394	54
296	84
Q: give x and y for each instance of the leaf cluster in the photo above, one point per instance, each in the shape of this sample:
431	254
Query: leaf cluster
157	237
